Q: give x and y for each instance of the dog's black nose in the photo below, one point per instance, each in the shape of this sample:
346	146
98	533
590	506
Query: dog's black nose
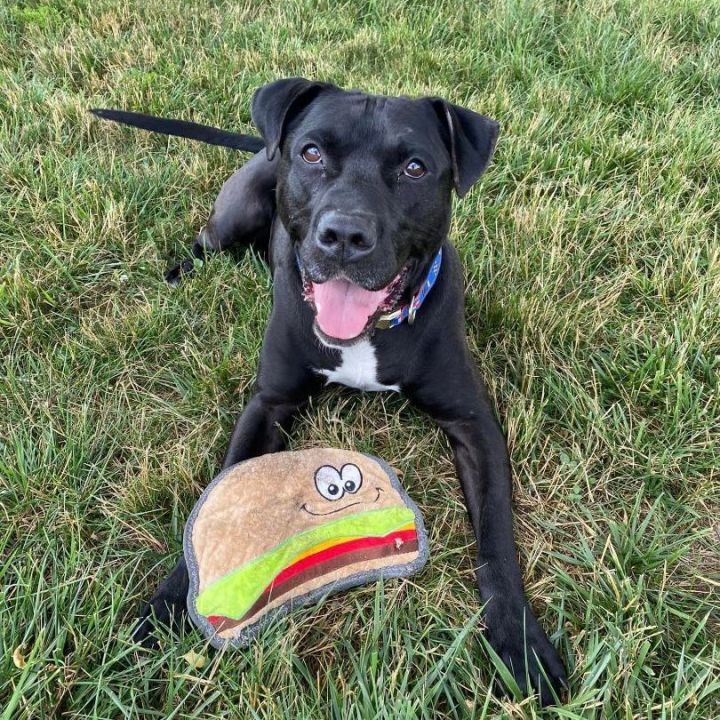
346	237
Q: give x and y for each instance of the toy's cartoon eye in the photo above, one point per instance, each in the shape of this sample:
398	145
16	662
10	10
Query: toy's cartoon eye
329	482
351	478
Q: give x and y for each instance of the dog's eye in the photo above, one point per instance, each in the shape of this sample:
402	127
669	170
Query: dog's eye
311	154
414	169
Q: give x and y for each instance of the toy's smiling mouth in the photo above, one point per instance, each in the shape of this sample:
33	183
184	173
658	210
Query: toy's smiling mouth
304	506
344	310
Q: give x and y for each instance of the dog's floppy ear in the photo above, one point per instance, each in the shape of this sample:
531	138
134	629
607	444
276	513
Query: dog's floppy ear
471	139
275	103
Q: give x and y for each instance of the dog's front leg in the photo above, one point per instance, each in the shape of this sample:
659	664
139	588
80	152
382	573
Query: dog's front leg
450	392
260	429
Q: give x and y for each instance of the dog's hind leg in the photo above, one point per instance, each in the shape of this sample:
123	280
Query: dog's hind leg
242	214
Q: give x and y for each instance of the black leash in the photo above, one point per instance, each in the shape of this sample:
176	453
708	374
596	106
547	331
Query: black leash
183	128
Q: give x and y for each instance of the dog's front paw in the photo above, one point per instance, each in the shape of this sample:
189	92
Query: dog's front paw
144	630
167	607
160	611
520	642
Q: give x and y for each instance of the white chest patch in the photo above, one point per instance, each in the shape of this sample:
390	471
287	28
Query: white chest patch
357	369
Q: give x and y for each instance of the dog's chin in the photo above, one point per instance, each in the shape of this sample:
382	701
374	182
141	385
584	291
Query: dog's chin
345	312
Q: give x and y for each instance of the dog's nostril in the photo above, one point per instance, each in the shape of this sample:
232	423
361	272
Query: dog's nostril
358	240
329	237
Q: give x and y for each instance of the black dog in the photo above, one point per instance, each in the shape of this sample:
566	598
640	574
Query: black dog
353	202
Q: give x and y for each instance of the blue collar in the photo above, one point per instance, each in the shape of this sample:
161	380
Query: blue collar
407	312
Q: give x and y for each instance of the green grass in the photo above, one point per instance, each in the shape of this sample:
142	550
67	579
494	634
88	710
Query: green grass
593	271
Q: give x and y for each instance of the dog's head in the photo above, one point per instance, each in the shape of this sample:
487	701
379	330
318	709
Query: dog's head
364	190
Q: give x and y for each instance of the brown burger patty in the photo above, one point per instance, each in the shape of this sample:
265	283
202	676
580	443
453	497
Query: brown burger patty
272	592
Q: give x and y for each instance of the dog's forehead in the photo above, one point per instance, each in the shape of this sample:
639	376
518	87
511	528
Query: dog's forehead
386	118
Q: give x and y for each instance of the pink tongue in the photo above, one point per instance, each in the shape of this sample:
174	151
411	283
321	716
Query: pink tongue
343	308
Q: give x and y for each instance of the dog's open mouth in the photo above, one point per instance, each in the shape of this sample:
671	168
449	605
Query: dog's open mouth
345	311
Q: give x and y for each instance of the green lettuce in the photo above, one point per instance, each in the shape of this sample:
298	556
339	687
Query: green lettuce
235	593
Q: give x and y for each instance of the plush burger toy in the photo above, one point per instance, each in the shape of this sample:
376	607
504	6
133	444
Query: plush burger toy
286	529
